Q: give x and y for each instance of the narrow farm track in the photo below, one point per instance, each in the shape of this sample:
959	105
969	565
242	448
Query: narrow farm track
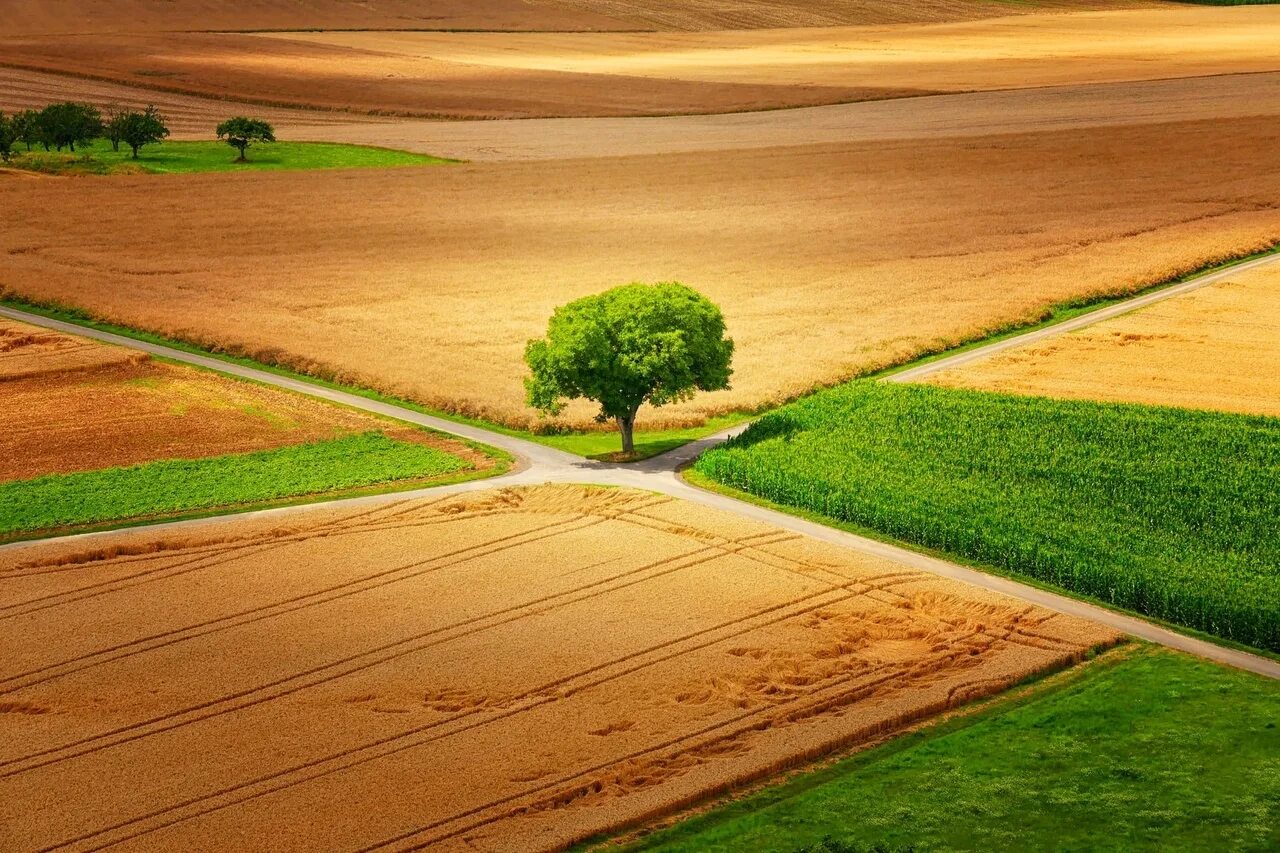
541	464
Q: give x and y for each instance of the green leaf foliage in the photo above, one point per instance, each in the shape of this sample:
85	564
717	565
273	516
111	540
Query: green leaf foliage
240	132
631	345
1168	512
185	485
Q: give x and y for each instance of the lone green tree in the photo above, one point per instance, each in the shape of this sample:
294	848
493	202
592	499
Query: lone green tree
113	126
241	132
142	128
628	346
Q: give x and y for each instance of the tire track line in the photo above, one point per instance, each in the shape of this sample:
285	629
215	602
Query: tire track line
552	691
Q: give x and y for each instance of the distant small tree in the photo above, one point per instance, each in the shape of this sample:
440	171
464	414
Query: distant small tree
142	128
26	127
113	126
8	136
627	346
68	124
241	132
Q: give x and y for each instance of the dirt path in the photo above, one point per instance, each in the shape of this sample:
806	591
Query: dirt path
661	475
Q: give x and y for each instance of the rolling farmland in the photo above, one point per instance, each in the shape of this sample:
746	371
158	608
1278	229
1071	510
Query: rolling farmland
254	597
656	651
431	292
1215	348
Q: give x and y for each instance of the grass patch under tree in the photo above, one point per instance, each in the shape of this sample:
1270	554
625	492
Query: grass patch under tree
172	157
1165	512
1145	749
181	486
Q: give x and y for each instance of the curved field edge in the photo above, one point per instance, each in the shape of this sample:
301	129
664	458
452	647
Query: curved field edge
1161	511
1150	747
604	443
178	489
177	157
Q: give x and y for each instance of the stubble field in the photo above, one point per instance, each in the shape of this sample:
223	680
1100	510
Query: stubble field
1214	348
513	669
431	289
72	404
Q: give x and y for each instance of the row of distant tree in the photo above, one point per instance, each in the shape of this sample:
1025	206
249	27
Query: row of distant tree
68	124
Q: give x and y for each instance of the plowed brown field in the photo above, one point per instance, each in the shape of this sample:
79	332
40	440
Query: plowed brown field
618	74
500	671
1215	348
71	404
24	17
827	259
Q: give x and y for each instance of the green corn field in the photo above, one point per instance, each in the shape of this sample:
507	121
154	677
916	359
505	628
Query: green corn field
1170	513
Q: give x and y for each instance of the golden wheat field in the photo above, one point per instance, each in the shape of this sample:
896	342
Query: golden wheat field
71	404
503	670
487	75
1213	348
828	260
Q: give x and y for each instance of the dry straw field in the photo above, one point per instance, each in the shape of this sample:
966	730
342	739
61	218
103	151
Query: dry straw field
502	74
827	259
1215	348
503	670
71	404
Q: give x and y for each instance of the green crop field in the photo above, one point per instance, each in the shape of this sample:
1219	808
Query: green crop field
172	487
1145	749
1166	512
212	156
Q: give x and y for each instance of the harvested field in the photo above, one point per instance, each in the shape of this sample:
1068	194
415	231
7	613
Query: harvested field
828	260
487	75
28	17
71	404
501	670
1214	348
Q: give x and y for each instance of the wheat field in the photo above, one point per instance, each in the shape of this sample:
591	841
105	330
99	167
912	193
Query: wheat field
515	669
1213	348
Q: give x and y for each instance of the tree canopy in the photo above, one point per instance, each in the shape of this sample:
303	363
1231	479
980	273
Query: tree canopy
241	132
142	128
8	136
627	346
67	124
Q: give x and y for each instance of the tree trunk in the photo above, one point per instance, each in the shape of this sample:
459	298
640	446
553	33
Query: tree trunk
627	426
135	151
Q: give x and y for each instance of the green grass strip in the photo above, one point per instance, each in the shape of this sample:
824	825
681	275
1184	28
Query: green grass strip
1148	751
177	486
212	156
1165	512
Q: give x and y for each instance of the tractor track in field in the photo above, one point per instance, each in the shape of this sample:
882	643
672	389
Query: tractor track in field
661	474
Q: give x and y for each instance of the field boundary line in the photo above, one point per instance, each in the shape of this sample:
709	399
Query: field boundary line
1089	318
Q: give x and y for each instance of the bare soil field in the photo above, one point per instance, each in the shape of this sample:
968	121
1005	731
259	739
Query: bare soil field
187	116
71	404
60	17
503	670
828	260
1214	348
523	75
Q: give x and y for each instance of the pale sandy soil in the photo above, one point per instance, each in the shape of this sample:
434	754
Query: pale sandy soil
71	404
500	671
521	75
827	259
1215	348
28	17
